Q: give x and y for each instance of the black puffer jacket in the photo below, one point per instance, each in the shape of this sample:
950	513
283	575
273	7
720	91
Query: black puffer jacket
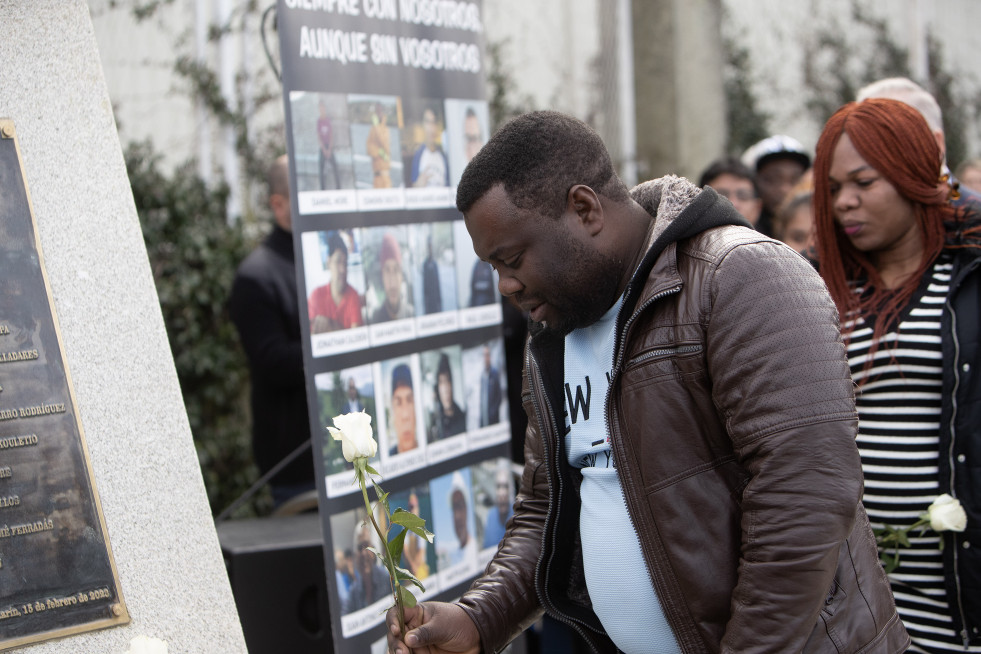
960	435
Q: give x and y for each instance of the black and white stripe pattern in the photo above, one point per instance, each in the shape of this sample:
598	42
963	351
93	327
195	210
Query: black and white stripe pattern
899	441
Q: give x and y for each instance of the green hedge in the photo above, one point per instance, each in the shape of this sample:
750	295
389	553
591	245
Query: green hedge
193	253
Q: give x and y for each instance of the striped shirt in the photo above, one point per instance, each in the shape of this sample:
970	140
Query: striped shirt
898	404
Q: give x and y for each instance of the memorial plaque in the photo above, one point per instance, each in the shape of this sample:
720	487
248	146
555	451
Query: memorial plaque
57	574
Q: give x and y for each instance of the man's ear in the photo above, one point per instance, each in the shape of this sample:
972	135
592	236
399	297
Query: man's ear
585	203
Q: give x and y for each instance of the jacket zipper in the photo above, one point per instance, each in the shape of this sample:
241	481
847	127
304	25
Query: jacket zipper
571	622
626	327
662	352
965	635
621	348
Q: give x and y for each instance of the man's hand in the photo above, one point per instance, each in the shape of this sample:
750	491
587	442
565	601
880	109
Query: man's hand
433	628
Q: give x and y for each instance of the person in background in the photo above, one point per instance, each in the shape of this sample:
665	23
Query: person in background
904	269
394	305
325	137
335	305
733	180
677	494
779	162
794	222
969	174
264	307
909	92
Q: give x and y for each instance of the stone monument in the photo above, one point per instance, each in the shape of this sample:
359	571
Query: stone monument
167	562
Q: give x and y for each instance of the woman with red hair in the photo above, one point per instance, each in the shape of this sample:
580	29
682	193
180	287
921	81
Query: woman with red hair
904	269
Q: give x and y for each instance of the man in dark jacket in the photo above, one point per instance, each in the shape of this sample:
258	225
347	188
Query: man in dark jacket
712	502
265	310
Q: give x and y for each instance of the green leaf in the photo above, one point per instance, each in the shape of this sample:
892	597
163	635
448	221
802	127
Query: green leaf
413	523
408	599
368	468
401	574
395	546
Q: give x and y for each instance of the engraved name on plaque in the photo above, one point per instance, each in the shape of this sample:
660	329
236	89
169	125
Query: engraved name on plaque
57	574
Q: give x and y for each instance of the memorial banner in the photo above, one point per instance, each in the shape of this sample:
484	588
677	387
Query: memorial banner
57	575
385	106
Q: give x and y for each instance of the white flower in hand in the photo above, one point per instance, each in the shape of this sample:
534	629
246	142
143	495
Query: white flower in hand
947	514
354	432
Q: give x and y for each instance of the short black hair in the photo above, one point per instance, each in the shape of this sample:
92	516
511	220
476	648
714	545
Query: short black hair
727	166
538	157
278	177
335	243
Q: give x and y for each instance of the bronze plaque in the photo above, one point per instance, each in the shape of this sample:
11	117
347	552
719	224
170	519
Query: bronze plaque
57	574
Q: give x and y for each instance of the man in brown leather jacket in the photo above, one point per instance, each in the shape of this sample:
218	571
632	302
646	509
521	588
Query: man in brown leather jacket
712	502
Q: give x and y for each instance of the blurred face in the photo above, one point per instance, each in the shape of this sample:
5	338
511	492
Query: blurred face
337	263
868	208
741	193
352	390
472	138
392	283
459	504
404	418
444	386
776	178
799	232
363	555
502	494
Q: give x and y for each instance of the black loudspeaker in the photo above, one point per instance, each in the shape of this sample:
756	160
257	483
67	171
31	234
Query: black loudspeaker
276	570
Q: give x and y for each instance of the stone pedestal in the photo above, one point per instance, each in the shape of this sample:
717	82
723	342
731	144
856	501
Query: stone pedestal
129	403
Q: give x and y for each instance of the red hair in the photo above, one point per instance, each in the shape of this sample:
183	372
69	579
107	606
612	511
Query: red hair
897	142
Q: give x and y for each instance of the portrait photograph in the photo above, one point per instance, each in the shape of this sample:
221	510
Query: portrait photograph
418	555
376	127
476	279
434	276
335	278
493	488
485	381
454	525
388	262
350	390
467	129
423	150
400	390
322	152
443	398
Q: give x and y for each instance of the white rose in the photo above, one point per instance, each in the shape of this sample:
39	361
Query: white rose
354	433
147	645
947	514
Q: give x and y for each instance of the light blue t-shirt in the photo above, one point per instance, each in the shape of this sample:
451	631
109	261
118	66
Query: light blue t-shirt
619	585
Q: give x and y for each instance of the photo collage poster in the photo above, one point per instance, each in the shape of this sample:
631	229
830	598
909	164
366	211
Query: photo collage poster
385	106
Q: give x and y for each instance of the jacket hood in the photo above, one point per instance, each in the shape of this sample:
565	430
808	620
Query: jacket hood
680	210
